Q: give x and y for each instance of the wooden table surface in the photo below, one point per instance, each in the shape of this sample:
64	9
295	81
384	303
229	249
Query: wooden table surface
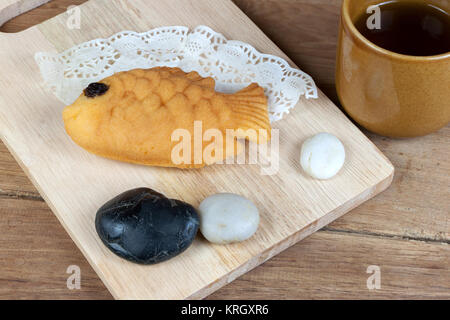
405	231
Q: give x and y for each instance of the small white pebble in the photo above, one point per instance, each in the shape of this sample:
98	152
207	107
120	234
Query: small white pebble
227	218
322	156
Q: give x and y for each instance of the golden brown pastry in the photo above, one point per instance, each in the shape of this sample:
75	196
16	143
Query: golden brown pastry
131	115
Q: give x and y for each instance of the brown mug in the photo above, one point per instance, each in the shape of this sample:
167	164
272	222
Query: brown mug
388	93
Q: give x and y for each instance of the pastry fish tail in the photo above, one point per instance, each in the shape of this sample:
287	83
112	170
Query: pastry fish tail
250	114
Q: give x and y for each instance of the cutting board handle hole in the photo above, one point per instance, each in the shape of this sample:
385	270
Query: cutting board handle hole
18	8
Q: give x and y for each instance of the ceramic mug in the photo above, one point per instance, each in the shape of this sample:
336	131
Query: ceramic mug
388	93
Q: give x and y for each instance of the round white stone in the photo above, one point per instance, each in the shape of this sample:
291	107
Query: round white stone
227	218
322	156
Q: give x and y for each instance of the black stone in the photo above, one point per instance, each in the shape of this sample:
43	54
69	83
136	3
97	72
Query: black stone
96	89
145	227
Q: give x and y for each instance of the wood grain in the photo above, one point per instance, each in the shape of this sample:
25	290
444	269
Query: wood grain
306	30
35	253
422	214
327	265
12	8
331	265
75	184
390	214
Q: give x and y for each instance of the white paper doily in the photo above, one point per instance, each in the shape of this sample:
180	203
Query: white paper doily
233	64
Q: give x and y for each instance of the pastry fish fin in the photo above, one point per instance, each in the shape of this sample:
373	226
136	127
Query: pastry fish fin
250	113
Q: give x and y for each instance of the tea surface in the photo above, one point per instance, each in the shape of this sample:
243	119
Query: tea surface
409	28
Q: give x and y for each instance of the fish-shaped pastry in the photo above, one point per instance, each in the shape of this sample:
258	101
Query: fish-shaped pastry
136	116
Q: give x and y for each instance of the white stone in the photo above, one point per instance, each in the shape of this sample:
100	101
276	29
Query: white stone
322	156
227	218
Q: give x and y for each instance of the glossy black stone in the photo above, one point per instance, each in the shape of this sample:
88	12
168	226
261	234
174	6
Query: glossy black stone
96	89
145	227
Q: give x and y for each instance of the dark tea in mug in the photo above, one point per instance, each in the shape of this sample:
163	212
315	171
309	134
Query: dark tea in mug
410	28
393	65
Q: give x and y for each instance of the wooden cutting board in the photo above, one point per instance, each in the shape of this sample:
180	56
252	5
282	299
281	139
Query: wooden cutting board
75	183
